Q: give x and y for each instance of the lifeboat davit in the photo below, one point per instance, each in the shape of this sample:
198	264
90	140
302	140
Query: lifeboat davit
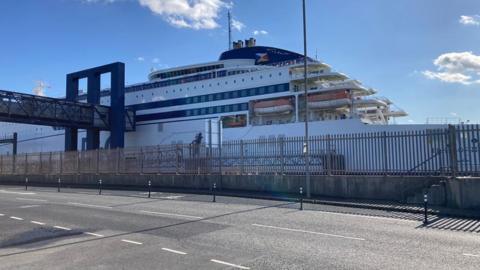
329	100
275	106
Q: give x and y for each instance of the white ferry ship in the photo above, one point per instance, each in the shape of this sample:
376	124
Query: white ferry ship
255	91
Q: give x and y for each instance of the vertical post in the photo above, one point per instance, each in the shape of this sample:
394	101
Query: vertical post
26	163
385	153
209	159
50	167
305	82
98	160
14	143
58	189
282	155
219	141
141	160
453	150
214	189
61	163
329	156
301	198
149	188
100	187
41	166
425	207
78	162
118	161
242	169
26	183
177	157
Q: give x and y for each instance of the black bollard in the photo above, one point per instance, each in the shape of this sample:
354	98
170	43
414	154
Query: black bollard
58	190
26	183
149	188
100	187
301	198
425	207
213	191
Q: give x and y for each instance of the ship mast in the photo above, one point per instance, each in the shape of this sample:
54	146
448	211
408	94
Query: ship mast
229	30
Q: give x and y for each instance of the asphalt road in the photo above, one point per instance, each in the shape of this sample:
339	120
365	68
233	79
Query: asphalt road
43	229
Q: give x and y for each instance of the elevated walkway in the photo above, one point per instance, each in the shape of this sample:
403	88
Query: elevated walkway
38	110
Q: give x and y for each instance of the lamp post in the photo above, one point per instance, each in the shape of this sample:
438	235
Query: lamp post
306	144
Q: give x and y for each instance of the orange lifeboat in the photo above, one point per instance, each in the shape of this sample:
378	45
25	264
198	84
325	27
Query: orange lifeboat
274	106
329	100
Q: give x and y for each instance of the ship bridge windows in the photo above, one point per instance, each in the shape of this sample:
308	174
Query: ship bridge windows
182	72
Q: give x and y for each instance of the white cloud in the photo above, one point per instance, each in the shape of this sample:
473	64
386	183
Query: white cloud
140	59
470	20
155	60
195	14
454	114
237	25
456	67
260	32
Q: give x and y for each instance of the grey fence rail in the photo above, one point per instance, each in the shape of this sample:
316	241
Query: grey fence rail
453	151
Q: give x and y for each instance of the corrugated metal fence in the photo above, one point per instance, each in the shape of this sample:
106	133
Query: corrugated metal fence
451	151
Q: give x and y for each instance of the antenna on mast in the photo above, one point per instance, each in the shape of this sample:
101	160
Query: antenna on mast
229	30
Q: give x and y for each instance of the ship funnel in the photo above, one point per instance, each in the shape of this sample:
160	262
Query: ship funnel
238	44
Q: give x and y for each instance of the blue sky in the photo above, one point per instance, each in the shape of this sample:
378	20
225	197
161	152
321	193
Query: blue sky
422	54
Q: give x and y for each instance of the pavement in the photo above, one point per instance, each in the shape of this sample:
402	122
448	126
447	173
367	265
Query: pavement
41	228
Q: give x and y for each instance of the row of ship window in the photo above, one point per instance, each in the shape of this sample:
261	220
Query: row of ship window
193	112
217	109
188	79
214	97
185	80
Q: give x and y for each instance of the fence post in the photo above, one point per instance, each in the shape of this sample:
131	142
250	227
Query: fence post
41	166
142	154
78	162
241	158
385	154
219	140
14	163
452	138
98	160
329	156
282	155
50	167
26	163
1	164
177	157
61	163
117	169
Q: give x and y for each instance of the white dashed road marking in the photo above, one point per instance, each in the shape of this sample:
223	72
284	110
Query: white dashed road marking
90	205
230	264
17	218
131	242
37	222
33	200
170	214
18	193
310	232
94	234
1	215
62	228
28	206
470	255
174	251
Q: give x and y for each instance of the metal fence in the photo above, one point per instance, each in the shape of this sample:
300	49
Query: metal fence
451	151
